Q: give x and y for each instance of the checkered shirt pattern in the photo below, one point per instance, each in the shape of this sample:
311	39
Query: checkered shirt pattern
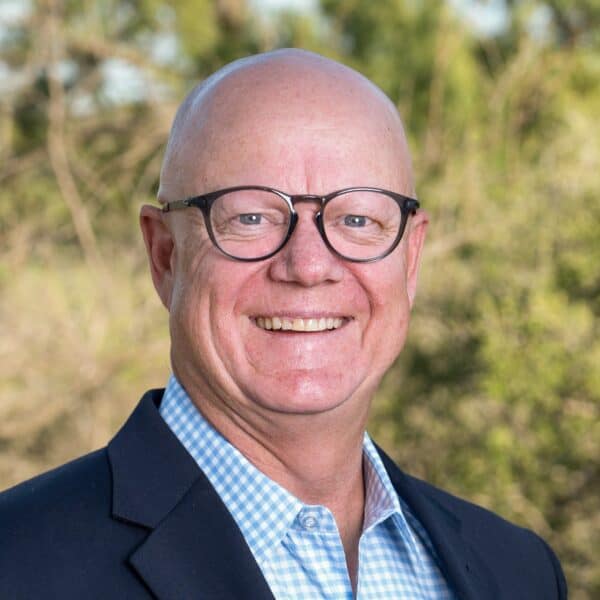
298	546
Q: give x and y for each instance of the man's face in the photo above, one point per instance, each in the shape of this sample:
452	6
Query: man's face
218	306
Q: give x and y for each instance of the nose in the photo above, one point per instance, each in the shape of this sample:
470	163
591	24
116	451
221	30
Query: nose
305	259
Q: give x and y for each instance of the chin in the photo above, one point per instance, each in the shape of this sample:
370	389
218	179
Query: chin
303	393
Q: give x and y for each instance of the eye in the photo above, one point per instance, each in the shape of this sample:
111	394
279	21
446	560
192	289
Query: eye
355	220
250	218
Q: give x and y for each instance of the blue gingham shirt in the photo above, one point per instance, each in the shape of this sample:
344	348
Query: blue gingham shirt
298	546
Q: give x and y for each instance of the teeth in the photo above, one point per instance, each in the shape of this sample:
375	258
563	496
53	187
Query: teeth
298	324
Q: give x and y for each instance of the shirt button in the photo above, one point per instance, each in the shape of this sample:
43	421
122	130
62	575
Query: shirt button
309	523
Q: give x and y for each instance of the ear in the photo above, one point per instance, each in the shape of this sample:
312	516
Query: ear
160	247
417	228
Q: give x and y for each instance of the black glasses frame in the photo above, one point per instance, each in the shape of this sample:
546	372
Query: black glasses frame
408	206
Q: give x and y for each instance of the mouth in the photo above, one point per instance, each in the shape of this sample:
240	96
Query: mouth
289	323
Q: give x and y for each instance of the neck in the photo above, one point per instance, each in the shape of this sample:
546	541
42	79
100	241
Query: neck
316	457
319	465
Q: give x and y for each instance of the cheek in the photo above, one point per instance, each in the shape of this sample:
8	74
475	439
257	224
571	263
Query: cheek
186	317
207	299
390	311
191	293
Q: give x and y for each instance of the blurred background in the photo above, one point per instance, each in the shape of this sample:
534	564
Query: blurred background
496	396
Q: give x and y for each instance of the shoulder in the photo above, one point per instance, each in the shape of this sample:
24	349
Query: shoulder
428	500
475	519
57	530
77	486
514	553
519	546
519	561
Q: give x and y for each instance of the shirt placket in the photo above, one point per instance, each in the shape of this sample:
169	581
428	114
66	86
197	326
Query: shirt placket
314	542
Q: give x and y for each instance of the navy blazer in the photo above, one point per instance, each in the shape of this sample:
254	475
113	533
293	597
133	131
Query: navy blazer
139	520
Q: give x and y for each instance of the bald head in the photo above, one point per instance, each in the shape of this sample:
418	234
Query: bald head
291	95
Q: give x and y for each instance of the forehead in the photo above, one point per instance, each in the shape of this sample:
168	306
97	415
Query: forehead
300	127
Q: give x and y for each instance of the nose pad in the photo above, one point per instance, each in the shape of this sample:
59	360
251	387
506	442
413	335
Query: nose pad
319	224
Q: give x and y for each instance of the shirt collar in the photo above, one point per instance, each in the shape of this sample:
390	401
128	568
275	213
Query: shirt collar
263	510
381	500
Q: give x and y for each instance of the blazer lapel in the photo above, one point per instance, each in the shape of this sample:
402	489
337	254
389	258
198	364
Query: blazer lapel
194	548
198	552
464	570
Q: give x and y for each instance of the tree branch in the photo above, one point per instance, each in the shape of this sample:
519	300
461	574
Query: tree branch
57	148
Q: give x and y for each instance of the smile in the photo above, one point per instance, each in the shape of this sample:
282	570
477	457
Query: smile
299	324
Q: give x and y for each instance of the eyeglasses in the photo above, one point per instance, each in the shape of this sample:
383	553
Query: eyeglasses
252	223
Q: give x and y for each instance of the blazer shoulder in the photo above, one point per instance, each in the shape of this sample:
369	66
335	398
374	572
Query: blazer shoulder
55	508
514	558
59	538
494	535
63	488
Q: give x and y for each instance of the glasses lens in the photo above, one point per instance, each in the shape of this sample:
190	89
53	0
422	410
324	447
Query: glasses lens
249	223
362	225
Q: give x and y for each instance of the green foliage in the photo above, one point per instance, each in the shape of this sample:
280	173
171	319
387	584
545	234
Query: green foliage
497	394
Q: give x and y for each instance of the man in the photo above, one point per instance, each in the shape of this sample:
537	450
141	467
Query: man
286	252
